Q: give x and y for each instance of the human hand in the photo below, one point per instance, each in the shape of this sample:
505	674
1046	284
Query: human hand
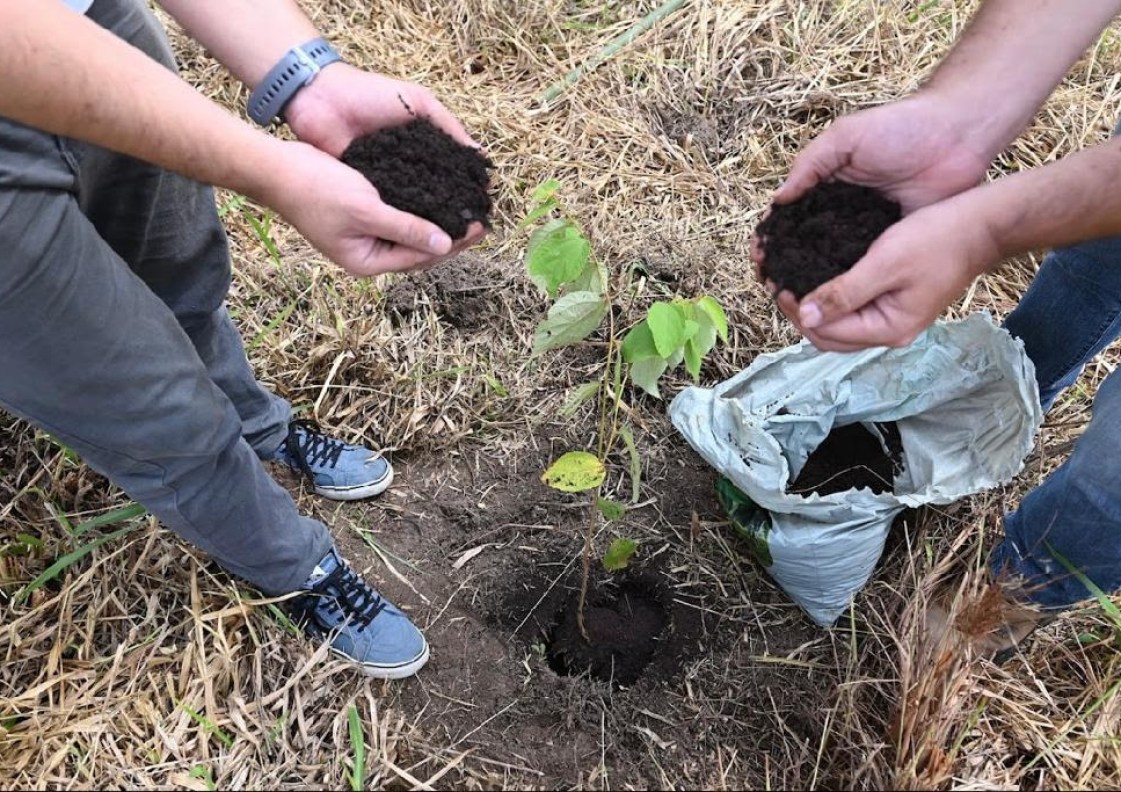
914	151
336	209
917	268
343	103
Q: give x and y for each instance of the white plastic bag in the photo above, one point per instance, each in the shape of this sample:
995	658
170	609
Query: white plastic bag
966	404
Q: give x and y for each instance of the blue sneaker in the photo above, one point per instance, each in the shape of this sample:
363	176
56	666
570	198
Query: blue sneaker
358	622
336	470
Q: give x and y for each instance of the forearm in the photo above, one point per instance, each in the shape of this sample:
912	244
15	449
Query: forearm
247	36
1069	201
64	74
1010	58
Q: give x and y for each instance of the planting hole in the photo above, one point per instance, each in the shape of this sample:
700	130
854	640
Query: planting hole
624	624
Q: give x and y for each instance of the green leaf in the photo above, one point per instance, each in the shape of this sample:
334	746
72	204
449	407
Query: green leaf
645	374
638	344
557	253
592	279
1094	590
580	396
575	471
545	191
636	461
705	339
572	318
711	308
691	328
58	566
611	510
692	359
667	325
619	554
538	212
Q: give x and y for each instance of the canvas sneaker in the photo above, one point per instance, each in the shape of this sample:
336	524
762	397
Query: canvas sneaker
360	624
336	470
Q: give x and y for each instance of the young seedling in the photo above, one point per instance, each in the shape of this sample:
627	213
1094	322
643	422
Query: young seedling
559	260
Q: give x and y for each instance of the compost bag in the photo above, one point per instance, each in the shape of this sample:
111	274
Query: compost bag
963	397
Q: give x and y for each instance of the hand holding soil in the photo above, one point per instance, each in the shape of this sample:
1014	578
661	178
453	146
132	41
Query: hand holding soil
909	276
822	234
420	169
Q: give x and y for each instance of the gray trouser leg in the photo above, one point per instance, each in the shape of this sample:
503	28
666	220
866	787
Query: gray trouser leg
114	339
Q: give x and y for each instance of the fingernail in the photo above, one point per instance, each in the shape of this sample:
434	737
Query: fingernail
810	315
439	243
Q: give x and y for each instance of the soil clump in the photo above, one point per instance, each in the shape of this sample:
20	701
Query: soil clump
822	234
851	457
420	169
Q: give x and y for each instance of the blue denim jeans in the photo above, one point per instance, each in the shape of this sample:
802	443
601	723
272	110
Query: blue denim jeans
1071	312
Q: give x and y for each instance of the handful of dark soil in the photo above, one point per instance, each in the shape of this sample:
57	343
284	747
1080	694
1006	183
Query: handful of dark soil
420	169
822	234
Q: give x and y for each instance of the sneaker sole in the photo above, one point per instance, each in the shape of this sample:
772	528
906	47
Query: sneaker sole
402	671
357	492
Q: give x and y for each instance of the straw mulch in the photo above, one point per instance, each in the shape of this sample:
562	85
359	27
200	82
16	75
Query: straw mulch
141	664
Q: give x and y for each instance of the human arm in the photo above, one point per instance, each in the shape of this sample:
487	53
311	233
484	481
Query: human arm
66	75
941	139
923	263
340	104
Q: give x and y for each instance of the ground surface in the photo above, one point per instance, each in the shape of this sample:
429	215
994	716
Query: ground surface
130	660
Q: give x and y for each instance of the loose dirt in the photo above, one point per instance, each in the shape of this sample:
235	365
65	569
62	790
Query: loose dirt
822	234
851	457
420	169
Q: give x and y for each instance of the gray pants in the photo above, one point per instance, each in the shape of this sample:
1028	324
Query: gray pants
114	339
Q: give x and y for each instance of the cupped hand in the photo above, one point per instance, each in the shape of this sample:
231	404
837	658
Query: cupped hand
343	103
336	209
914	150
909	276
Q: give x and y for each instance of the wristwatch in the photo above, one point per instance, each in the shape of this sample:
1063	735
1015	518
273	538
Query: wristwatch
297	68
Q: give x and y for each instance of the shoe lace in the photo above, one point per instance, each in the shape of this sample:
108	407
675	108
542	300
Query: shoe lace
307	444
345	591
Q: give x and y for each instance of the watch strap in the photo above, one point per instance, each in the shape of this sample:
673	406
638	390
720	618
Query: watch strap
297	68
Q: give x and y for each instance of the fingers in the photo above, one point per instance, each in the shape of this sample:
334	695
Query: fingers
408	230
818	162
848	293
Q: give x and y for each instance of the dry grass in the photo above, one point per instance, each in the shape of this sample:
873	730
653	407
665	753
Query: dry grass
143	665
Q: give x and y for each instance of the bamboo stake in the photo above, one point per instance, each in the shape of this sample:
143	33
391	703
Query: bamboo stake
612	48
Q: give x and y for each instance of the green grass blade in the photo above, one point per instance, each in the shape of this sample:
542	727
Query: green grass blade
55	569
274	323
207	724
1103	599
358	742
111	517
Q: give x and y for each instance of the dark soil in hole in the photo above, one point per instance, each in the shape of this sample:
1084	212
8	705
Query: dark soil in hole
822	234
419	169
624	625
851	457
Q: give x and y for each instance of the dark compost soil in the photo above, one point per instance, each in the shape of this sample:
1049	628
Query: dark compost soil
419	169
623	626
851	457
822	234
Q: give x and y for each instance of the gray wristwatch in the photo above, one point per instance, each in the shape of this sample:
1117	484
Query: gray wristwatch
295	70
